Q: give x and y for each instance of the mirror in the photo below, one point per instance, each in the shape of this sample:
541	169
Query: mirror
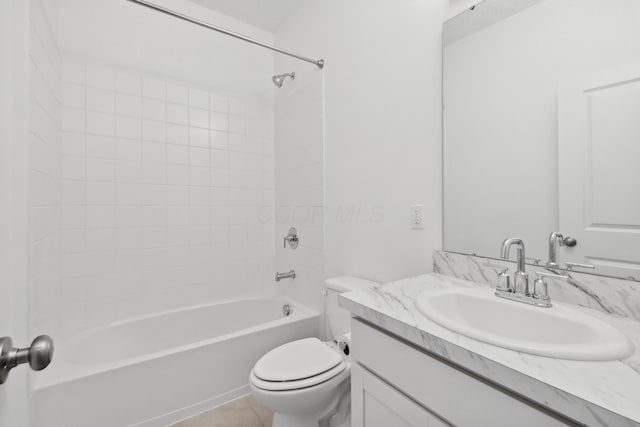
542	130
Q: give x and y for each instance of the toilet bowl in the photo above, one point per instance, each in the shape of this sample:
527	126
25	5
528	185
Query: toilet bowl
306	383
301	382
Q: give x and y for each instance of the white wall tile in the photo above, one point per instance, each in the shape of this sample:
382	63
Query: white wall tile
154	152
128	105
177	94
100	193
100	170
154	173
177	134
102	239
177	154
100	100
128	194
128	149
199	98
128	171
73	168
178	114
73	95
74	192
73	144
129	216
101	123
153	109
199	117
199	156
219	139
127	127
73	72
153	88
98	146
178	174
154	130
199	176
219	159
100	77
177	194
218	103
143	172
100	216
73	120
128	83
219	121
198	137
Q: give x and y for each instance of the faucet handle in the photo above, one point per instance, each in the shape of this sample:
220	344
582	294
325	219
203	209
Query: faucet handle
535	261
292	238
540	289
504	281
571	265
542	274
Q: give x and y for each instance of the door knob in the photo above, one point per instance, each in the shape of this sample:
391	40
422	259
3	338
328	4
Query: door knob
38	355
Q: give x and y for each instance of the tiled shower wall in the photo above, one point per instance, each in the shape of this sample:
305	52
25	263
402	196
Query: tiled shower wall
44	169
163	184
299	155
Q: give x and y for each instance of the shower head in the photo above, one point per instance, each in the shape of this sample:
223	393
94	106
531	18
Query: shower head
279	80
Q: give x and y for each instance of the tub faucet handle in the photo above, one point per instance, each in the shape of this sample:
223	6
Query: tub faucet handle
292	238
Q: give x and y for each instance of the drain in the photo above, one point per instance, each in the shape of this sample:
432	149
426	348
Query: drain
286	309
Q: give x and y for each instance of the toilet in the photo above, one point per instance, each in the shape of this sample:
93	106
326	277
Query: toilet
306	383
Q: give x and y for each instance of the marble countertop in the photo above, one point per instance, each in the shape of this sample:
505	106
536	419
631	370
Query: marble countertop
594	393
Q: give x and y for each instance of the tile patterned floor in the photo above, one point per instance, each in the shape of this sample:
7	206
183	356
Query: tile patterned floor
244	412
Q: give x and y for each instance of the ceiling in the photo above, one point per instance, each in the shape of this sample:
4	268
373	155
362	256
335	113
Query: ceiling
265	14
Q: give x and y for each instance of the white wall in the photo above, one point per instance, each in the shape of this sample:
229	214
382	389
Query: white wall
131	36
501	85
382	128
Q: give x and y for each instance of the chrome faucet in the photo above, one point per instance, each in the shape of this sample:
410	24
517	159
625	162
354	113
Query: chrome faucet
556	240
520	278
520	291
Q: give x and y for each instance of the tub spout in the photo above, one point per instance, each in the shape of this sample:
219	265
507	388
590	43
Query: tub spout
290	275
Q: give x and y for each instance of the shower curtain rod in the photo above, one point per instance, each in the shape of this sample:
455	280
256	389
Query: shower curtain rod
319	63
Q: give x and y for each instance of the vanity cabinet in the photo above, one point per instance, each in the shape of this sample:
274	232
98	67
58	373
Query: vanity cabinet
395	385
381	405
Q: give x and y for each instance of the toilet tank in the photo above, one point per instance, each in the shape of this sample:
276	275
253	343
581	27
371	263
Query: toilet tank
339	319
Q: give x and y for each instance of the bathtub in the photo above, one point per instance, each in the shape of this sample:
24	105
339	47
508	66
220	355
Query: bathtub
158	369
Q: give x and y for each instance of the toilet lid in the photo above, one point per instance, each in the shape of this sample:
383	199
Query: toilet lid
339	369
297	360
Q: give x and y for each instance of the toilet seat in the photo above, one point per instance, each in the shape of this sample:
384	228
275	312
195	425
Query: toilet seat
297	364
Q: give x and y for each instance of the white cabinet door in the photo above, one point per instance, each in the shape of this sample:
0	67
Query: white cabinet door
426	382
377	404
599	169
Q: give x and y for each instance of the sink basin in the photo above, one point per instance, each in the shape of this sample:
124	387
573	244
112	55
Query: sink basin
559	332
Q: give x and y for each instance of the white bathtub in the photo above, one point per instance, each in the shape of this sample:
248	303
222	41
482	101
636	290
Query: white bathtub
158	369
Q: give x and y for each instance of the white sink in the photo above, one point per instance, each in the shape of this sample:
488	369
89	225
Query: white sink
559	332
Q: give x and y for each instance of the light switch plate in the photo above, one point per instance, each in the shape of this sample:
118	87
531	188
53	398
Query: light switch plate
416	220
